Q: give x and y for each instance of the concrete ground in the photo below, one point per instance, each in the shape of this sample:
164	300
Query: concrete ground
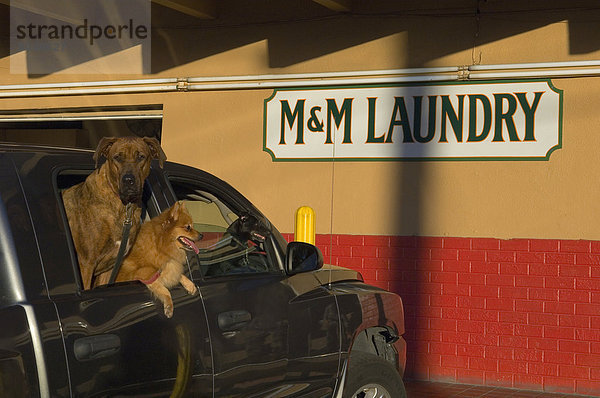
427	389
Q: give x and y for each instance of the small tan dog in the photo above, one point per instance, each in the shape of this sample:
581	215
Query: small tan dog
159	253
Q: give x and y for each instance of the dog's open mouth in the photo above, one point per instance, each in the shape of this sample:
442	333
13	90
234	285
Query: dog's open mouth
188	244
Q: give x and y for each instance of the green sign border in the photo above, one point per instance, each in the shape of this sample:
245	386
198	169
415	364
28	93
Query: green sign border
418	159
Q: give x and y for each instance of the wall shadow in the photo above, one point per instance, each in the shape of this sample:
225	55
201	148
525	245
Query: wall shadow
44	40
302	30
294	36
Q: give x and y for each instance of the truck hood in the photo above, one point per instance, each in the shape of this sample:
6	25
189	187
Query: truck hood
334	273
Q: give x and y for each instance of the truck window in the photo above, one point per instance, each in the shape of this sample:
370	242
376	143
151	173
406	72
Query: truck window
68	178
228	246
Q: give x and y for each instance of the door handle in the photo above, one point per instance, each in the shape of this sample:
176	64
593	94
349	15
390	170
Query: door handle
233	320
96	347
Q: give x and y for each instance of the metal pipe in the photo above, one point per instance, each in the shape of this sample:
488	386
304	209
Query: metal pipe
87	84
88	91
530	74
389	76
313	83
325	75
78	118
537	65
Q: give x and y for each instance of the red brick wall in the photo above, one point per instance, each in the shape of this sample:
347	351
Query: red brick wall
521	313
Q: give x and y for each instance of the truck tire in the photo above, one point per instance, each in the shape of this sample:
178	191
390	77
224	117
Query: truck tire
370	376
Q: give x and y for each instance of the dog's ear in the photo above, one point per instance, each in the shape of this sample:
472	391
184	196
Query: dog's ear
175	211
172	214
103	148
156	150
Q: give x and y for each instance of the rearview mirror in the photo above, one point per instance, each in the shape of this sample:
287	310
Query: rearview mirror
302	257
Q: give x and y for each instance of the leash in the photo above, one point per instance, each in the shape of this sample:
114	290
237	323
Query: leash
125	237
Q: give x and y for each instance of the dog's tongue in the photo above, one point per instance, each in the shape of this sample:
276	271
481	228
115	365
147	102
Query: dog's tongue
191	244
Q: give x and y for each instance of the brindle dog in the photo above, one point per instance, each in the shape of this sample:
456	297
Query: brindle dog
96	207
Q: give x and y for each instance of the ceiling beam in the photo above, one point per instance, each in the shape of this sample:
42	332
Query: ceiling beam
204	9
60	13
336	5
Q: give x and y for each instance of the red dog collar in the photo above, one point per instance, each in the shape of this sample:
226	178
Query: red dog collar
152	279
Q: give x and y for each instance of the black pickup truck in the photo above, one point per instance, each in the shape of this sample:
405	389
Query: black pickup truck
270	319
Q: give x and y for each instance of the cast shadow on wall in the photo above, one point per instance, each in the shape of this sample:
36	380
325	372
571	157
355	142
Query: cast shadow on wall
303	30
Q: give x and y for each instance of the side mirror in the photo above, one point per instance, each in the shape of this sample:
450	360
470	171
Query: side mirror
302	257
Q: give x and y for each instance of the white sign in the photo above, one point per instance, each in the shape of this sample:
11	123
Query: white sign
447	121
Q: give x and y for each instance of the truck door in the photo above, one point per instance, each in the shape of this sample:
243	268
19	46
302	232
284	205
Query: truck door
116	339
244	297
32	359
268	338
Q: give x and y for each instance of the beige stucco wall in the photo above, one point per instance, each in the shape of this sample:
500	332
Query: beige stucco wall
222	131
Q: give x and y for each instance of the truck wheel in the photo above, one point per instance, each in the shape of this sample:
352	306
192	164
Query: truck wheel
370	376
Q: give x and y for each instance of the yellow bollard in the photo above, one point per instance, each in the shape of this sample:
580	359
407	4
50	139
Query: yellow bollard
305	225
